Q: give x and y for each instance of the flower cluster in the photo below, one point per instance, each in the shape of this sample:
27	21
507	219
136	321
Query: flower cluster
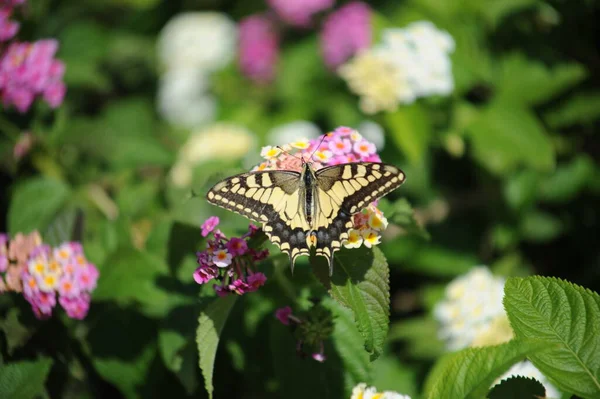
310	328
345	32
28	70
409	63
41	273
258	47
343	145
472	314
299	12
361	391
191	46
230	261
472	306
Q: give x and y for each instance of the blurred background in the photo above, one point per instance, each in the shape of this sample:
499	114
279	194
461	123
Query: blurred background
128	110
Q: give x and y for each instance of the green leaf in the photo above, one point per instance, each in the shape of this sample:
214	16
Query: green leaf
411	130
129	276
15	333
526	81
62	228
470	372
360	282
179	355
505	136
518	387
568	180
346	340
540	227
582	108
566	317
24	380
520	190
210	324
35	203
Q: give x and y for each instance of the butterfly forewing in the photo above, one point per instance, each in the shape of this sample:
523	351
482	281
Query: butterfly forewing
278	199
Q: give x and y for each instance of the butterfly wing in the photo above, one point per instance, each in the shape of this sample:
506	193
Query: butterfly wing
271	198
344	190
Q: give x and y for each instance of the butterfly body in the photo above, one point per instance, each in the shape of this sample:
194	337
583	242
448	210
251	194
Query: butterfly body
302	210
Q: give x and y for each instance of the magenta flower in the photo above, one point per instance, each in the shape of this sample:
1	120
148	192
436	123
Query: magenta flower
364	148
237	246
76	307
346	32
231	262
209	225
258	48
283	315
299	12
8	28
319	357
3	252
28	70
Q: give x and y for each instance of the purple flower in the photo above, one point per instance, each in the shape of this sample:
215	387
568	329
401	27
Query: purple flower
299	12
205	273
76	307
221	291
8	28
28	70
237	246
283	315
209	225
345	32
256	280
258	48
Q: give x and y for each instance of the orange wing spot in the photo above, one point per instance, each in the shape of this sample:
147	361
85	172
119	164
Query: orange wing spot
311	240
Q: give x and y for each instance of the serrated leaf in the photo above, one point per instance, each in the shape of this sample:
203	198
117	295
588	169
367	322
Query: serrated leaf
518	387
24	380
35	203
210	324
470	372
566	317
411	130
346	339
360	282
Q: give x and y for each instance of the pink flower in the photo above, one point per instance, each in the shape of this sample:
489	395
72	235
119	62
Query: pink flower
299	12
345	32
237	246
86	277
43	301
204	274
372	158
319	357
8	28
343	131
239	286
209	225
23	145
283	315
258	48
76	307
364	149
256	280
54	94
68	287
340	146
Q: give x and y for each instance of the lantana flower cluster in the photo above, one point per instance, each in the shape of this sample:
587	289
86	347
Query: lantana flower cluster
343	145
472	314
47	275
192	46
409	63
344	32
27	70
229	261
361	391
311	328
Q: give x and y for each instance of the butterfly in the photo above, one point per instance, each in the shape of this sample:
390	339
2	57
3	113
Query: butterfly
311	208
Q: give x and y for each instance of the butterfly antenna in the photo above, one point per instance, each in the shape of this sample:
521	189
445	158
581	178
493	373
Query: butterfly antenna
317	147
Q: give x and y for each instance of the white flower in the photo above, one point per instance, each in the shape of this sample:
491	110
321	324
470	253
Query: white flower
361	391
205	41
221	258
183	98
269	152
527	369
293	131
472	304
370	237
354	240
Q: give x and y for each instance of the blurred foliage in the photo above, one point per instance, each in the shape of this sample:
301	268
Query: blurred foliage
504	172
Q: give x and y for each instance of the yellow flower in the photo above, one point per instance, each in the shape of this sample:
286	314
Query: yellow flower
269	152
49	282
37	267
301	144
377	221
371	237
322	156
354	240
